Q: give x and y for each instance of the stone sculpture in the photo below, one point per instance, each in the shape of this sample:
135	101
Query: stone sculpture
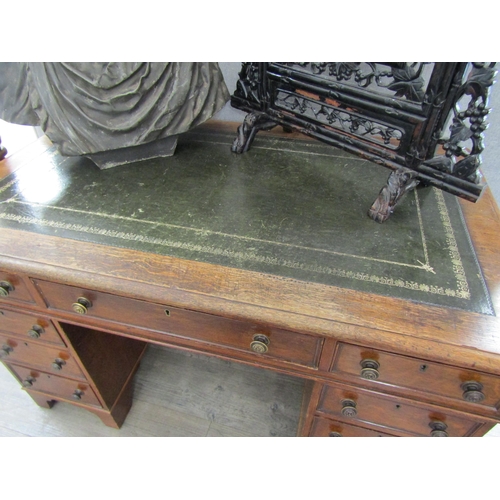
112	112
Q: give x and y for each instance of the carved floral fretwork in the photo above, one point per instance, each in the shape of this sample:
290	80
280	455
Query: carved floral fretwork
249	85
340	119
462	142
404	80
428	118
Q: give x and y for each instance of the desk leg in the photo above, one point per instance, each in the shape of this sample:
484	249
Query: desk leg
119	412
310	398
111	418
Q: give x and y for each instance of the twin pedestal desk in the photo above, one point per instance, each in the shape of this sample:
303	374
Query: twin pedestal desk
266	259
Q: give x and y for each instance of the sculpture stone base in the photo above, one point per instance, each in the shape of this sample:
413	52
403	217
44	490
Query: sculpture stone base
116	157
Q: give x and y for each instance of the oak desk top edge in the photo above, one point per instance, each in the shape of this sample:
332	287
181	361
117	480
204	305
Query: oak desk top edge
293	304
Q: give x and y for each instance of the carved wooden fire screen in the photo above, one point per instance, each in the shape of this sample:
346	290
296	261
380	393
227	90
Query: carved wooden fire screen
425	121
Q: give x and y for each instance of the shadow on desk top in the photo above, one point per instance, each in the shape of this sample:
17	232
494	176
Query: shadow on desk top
287	207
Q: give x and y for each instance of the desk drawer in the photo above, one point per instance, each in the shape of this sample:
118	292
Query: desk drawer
392	413
12	288
323	427
29	327
425	376
44	358
63	388
261	340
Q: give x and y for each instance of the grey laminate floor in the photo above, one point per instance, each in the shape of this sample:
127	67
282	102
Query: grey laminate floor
175	394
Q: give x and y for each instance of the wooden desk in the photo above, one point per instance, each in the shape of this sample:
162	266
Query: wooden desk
374	365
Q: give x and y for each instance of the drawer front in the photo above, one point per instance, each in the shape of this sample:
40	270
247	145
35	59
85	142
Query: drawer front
63	388
13	288
29	327
70	390
323	427
41	357
260	340
425	376
392	414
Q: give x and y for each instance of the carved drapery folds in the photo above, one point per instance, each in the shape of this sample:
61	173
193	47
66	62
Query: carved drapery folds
424	118
94	107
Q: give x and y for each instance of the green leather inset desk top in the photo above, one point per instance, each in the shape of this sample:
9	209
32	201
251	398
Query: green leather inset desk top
287	207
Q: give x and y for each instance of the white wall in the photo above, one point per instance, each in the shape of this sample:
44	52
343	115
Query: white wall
230	72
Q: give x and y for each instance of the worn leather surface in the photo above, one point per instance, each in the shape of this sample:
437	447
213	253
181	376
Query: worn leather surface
94	107
287	207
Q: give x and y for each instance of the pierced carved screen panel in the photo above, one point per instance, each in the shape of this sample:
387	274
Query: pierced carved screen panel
424	121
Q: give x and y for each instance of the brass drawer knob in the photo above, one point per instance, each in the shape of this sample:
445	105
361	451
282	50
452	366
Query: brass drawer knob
5	288
472	391
28	381
349	408
438	429
35	331
369	369
81	306
77	394
334	434
6	350
259	343
58	364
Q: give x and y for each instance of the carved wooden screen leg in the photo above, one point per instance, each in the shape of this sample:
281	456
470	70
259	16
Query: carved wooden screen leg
247	131
399	183
41	399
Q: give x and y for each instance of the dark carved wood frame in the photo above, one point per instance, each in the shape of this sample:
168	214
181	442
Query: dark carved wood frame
3	151
427	132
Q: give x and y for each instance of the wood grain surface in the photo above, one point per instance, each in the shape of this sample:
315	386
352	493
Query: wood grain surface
175	394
